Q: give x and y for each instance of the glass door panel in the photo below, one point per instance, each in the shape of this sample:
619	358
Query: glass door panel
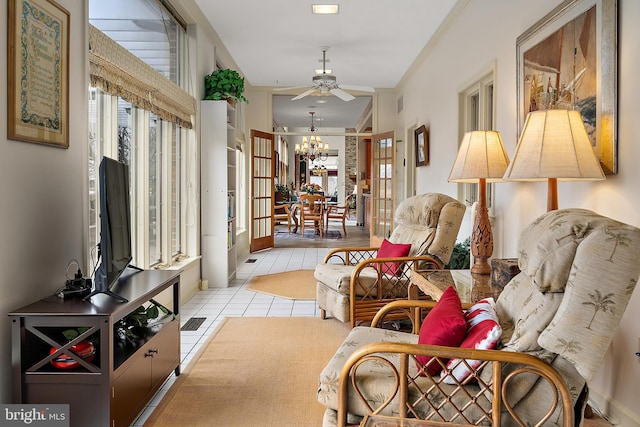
262	184
382	187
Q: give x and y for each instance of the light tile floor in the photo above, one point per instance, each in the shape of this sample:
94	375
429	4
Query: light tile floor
236	300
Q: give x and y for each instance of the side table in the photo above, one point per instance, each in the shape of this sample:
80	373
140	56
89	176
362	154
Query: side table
503	270
471	287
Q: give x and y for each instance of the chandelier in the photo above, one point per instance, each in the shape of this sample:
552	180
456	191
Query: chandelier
319	170
312	147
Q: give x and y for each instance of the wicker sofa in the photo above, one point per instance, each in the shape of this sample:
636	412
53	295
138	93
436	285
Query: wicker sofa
351	283
558	315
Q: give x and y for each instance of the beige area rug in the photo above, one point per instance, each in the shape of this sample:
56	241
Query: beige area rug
297	284
254	371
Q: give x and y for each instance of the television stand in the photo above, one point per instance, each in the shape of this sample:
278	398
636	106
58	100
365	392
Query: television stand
108	291
115	386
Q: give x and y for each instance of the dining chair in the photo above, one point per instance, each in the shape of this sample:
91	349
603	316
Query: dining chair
282	213
312	210
338	213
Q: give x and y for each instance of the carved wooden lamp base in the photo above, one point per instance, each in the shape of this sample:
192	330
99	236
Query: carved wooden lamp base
481	266
481	236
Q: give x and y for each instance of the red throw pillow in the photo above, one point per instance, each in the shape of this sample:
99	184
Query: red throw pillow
483	333
444	325
393	250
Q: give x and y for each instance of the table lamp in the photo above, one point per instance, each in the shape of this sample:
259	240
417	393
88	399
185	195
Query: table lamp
481	159
553	146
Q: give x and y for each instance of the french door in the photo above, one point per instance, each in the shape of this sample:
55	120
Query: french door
382	204
262	190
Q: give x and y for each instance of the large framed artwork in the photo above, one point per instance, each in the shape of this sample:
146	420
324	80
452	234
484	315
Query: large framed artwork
38	72
568	60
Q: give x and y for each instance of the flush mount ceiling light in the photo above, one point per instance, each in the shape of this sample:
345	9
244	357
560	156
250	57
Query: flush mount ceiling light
324	9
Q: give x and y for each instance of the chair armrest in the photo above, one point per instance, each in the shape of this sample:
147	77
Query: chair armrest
350	255
413	309
369	293
443	401
410	263
421	262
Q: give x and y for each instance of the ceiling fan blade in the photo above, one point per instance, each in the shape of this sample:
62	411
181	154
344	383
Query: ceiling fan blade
305	93
279	89
342	94
356	87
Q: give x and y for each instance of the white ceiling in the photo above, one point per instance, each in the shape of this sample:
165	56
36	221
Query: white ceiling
278	43
330	111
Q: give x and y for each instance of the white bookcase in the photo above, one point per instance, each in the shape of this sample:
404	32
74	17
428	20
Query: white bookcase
220	126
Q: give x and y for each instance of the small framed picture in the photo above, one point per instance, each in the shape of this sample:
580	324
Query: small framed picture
422	146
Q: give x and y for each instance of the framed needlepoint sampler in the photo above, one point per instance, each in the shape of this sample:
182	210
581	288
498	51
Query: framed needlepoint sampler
38	72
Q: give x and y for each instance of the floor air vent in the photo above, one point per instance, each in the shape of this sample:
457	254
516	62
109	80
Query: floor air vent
193	324
250	261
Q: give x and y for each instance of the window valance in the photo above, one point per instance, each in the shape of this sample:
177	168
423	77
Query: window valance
119	72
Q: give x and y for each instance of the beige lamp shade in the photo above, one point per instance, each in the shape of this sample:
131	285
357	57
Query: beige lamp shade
481	158
481	155
554	144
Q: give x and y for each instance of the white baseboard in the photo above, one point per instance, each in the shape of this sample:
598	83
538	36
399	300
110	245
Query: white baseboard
616	413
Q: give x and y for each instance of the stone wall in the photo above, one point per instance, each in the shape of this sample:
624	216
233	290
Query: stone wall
350	160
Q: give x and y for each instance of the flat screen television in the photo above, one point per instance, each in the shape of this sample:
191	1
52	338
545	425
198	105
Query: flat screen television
114	248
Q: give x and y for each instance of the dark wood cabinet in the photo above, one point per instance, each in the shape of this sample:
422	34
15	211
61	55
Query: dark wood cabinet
113	386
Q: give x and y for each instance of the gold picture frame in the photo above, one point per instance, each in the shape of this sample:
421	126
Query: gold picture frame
568	60
38	72
422	146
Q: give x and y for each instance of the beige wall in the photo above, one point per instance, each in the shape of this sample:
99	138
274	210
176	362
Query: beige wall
467	50
42	215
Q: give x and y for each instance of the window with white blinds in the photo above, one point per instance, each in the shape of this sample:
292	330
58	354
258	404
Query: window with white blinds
139	114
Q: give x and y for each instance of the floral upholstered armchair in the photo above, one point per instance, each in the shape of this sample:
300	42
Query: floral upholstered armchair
556	317
353	283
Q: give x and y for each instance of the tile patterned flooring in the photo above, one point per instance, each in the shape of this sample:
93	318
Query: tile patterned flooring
236	300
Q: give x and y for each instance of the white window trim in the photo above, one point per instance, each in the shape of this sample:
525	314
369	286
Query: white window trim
482	88
188	245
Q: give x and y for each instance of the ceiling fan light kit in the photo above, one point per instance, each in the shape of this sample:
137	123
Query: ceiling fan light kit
326	83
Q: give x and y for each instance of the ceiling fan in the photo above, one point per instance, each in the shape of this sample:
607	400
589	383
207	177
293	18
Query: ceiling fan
327	83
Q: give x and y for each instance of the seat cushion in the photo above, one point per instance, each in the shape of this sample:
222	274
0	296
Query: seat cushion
376	381
602	279
430	222
444	325
338	277
524	312
551	242
375	384
334	303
